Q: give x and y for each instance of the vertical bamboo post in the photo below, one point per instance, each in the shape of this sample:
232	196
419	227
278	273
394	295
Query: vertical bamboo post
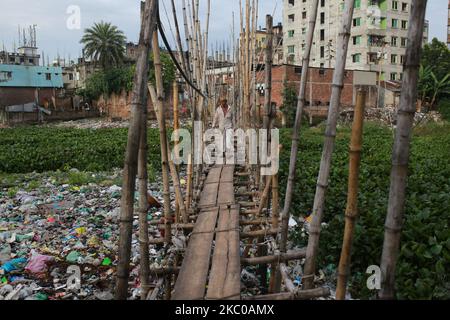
173	171
285	215
400	155
247	65
330	135
143	209
176	126
163	139
268	72
139	99
351	212
178	38
296	132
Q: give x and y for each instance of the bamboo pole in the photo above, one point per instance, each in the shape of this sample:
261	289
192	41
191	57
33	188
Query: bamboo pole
401	150
268	72
139	99
259	233
287	281
172	168
296	131
298	295
275	276
264	196
330	135
143	208
351	213
178	192
176	127
162	137
178	38
280	257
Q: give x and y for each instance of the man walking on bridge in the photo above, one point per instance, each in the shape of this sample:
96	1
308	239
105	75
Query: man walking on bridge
224	119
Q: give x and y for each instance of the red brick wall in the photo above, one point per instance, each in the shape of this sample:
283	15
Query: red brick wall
318	84
119	106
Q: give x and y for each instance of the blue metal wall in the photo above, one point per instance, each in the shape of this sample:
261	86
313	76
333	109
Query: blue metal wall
30	76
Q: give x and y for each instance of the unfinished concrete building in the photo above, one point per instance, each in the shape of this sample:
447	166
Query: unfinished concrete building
378	40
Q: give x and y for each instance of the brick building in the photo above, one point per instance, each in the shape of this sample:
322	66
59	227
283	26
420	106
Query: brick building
318	89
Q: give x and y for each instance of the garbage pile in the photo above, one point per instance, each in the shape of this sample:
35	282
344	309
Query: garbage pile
60	242
388	116
103	123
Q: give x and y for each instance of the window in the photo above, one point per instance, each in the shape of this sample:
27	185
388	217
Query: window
393	59
298	70
393	76
404	7
304	16
291	49
395	5
394	41
291	18
404	42
322	18
395	23
291	33
322	3
322	35
291	3
400	76
5	75
356	58
322	52
404	24
356	40
357	22
48	76
402	59
357	4
70	76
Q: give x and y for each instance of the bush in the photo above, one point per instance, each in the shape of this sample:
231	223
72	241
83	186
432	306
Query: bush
114	80
444	109
425	251
47	149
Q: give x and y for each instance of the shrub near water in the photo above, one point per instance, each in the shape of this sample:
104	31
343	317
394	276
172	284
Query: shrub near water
45	149
424	261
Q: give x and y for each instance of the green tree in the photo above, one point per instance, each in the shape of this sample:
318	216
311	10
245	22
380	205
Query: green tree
168	70
289	104
104	43
106	82
431	88
436	55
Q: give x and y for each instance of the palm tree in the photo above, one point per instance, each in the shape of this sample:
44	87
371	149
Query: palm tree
104	43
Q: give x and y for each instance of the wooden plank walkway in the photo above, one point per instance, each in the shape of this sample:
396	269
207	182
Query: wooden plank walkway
218	220
225	275
191	281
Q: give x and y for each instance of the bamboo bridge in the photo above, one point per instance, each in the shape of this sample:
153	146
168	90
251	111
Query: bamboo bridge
211	268
231	209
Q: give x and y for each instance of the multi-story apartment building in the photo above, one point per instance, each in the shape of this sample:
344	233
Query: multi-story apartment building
378	36
448	26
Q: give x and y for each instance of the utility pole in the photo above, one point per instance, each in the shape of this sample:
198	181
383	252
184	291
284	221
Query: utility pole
330	52
381	57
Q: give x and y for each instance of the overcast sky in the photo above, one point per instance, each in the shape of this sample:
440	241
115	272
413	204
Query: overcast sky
55	37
